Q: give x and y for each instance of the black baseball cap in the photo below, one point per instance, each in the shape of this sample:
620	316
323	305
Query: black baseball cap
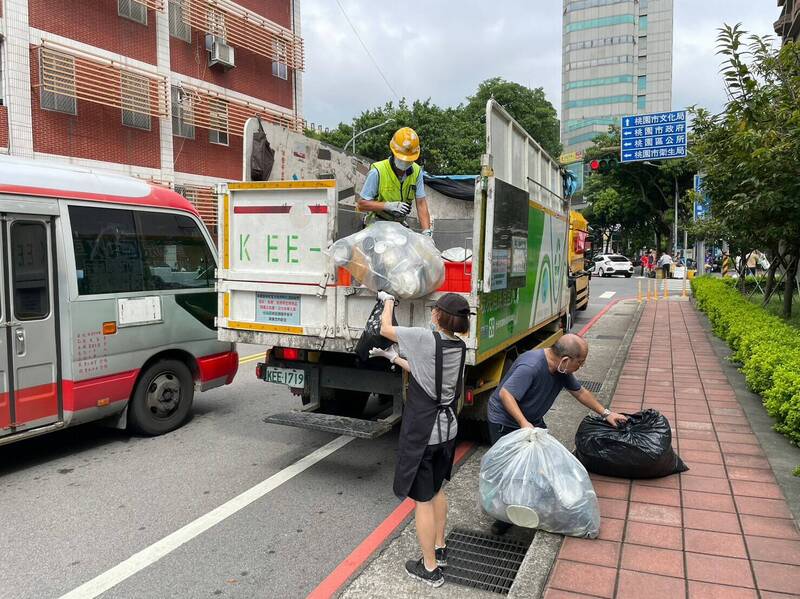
453	304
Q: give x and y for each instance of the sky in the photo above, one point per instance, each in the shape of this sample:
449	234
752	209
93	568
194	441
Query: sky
442	50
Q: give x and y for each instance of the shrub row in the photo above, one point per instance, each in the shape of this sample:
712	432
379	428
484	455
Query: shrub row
767	347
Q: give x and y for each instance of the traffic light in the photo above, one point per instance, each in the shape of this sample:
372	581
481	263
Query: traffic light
602	165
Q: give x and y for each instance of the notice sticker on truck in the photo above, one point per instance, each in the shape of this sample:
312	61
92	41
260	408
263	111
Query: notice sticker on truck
278	308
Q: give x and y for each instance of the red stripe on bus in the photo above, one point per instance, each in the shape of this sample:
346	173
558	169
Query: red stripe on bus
36	403
5	411
218	366
80	395
319	209
262	209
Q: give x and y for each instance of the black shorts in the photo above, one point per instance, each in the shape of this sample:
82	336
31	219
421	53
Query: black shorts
436	466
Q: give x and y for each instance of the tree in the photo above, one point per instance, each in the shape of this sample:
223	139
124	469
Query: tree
453	139
750	152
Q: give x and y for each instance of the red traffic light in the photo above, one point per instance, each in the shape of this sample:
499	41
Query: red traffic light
594	164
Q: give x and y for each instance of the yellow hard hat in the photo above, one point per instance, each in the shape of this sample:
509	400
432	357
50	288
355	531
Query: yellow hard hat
405	144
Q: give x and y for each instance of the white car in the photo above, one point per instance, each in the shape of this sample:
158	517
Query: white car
608	265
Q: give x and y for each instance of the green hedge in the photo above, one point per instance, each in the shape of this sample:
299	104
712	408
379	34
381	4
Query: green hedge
767	347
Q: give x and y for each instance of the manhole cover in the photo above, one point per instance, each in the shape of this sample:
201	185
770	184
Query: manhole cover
483	561
592	386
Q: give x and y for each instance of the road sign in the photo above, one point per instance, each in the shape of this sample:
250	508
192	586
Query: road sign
701	207
657	136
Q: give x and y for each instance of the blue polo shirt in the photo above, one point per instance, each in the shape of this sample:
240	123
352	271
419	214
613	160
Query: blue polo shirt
533	386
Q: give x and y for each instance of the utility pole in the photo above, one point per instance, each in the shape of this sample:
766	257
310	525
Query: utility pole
675	230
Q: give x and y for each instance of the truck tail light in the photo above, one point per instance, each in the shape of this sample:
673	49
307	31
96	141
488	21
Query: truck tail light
469	398
260	370
290	354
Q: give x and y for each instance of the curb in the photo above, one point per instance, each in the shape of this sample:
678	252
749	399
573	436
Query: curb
535	569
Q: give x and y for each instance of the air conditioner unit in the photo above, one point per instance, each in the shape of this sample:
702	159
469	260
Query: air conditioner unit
220	53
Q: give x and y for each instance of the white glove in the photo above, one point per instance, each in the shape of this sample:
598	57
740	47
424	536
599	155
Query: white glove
401	209
390	353
427	233
383	296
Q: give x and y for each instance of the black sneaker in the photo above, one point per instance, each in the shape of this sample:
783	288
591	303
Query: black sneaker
441	556
416	569
500	528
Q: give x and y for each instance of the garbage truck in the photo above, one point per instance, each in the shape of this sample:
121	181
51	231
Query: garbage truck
507	231
579	277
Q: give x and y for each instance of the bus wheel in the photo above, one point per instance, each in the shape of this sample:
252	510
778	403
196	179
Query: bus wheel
162	399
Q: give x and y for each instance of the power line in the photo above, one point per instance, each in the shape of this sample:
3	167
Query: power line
371	57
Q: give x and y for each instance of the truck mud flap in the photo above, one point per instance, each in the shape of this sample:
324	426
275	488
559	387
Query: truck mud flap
337	425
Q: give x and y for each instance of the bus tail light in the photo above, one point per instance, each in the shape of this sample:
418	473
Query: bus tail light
109	328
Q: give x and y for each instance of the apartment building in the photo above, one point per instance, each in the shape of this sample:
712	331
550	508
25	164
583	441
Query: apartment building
788	24
157	89
617	60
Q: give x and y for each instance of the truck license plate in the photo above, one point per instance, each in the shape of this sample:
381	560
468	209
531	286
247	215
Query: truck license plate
285	376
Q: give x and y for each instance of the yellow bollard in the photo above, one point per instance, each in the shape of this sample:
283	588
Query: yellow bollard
725	265
665	289
683	289
639	294
655	290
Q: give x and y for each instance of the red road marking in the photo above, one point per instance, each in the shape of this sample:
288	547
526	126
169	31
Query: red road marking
597	316
334	581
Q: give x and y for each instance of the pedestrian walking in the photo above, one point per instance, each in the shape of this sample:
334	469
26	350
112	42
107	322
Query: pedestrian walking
645	264
435	360
652	264
665	262
531	386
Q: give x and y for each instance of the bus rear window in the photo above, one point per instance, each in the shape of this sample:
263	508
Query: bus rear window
124	251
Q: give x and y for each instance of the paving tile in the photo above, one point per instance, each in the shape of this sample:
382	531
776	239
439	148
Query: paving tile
657	495
715	543
707	590
748	438
711	470
613	508
702	435
583	578
771	595
716	502
781	551
748	461
611	490
635	585
654	535
781	578
713	521
741	448
776	528
701	457
732	427
695	426
610	479
655	514
611	529
700	444
727	412
704	418
707	485
727	419
557	594
719	570
756	506
756	489
590	551
654	560
760	475
665	482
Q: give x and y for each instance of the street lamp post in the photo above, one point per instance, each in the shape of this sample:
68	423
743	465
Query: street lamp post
357	135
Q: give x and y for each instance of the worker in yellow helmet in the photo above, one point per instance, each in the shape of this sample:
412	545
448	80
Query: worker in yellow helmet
394	184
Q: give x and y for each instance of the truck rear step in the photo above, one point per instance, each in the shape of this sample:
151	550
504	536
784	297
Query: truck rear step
338	425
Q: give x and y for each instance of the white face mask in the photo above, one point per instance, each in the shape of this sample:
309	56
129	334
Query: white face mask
402	164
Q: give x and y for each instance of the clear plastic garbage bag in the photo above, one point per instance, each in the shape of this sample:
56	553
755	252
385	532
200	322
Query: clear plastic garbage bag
387	256
530	479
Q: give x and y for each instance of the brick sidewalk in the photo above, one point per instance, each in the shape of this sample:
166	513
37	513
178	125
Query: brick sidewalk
721	530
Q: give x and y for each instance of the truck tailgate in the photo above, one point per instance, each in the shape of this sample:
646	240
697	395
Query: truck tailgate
275	270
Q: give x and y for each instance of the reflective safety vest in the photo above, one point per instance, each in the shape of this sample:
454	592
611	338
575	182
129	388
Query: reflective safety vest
391	190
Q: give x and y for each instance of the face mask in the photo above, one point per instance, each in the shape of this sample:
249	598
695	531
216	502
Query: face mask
560	368
401	164
433	327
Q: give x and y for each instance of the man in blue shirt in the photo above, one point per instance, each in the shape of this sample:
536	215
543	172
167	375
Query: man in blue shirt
531	386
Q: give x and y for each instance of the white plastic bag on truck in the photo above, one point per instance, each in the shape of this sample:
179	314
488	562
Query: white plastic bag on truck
530	479
386	256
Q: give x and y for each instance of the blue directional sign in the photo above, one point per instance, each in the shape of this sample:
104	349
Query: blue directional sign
701	207
658	136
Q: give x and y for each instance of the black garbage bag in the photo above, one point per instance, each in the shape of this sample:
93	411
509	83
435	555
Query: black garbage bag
371	337
640	448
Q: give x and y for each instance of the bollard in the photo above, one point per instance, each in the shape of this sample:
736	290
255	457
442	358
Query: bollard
725	265
655	290
683	289
639	294
665	289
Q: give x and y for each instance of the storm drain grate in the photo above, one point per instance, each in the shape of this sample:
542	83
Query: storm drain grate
592	386
483	561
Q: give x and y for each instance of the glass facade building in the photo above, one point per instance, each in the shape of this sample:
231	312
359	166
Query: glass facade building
617	60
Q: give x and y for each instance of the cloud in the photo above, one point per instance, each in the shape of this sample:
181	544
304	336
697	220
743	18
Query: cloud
443	49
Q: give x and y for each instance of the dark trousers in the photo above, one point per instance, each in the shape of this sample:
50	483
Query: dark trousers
498	431
665	271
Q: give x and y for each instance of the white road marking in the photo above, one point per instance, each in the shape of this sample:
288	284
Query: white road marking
153	553
607	295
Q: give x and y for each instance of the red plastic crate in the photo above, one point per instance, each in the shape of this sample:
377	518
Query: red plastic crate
457	277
